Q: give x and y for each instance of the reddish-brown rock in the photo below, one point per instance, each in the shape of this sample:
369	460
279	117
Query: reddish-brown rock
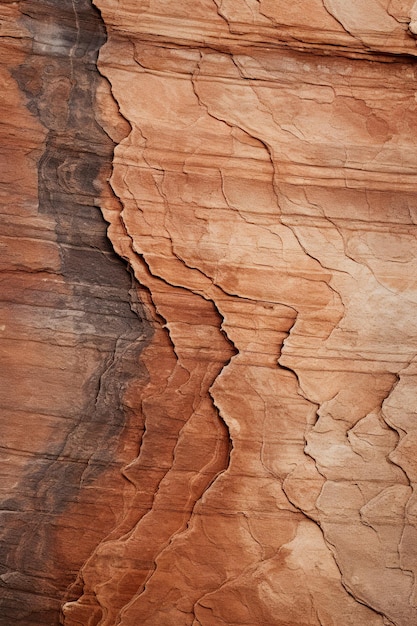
262	469
70	332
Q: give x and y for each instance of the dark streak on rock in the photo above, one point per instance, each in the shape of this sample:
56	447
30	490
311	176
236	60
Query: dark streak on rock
60	78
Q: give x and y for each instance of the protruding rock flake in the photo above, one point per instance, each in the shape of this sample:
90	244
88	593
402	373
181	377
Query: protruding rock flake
221	392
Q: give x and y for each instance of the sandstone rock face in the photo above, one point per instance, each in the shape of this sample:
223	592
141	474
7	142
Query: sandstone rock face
70	331
245	454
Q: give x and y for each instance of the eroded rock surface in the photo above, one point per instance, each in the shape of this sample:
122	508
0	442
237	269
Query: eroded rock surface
277	181
71	333
265	199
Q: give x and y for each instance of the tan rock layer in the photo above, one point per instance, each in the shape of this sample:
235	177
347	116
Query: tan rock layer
277	181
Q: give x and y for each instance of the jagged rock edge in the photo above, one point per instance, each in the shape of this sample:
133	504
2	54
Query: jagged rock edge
140	257
221	328
289	369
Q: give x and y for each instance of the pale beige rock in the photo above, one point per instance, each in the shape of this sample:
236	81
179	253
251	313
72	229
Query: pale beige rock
277	181
413	16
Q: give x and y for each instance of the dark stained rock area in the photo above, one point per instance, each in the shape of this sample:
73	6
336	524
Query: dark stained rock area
71	320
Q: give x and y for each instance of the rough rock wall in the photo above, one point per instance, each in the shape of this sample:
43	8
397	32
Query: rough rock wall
71	332
266	171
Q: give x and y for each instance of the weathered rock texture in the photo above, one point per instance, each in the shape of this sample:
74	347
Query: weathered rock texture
255	463
70	331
